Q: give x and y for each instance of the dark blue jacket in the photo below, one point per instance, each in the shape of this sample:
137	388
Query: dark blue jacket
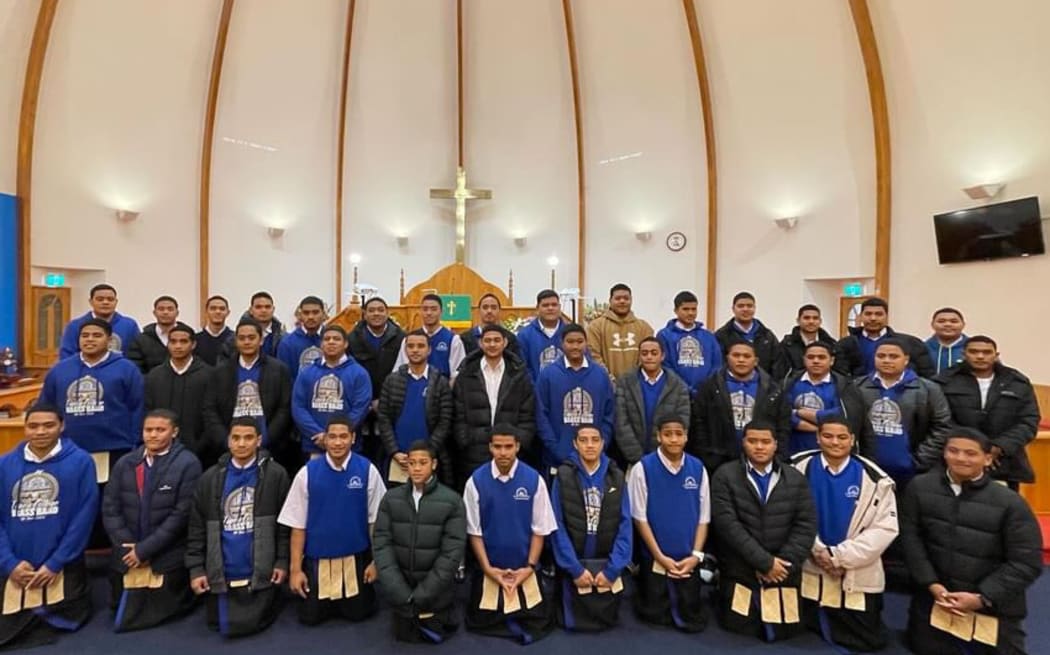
172	484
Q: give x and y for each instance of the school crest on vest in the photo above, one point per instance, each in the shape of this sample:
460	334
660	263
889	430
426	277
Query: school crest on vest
690	483
238	510
853	492
355	483
84	397
809	400
521	493
689	352
441	346
249	402
310	355
885	417
743	407
577	407
34	496
549	355
328	394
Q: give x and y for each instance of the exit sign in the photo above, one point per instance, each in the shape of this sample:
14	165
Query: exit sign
853	290
54	279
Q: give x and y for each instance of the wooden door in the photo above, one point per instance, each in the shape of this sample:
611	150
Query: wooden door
849	312
49	313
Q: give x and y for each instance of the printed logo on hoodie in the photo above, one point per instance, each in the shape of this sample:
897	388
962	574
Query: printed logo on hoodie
689	352
328	394
743	407
35	496
549	355
84	397
309	356
249	403
238	515
809	400
115	344
577	407
885	417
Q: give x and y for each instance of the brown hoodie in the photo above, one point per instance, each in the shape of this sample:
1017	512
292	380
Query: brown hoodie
613	341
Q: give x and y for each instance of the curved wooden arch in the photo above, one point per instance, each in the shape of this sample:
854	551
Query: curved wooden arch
45	18
704	87
880	118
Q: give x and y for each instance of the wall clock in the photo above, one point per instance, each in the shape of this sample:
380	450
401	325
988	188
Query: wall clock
676	241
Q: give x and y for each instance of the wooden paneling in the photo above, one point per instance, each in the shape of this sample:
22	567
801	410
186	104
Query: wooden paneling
11	433
704	87
1038	494
24	175
15	400
1042	396
880	118
581	215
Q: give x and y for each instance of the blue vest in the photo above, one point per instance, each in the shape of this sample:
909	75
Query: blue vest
238	520
506	514
835	497
673	504
440	349
412	422
650	396
337	514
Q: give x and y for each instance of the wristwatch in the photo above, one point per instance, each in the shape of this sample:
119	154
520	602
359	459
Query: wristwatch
699	555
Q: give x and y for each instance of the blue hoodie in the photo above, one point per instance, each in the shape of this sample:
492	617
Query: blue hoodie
893	438
102	405
822	397
321	391
561	540
537	349
125	330
693	354
587	395
52	525
299	349
945	357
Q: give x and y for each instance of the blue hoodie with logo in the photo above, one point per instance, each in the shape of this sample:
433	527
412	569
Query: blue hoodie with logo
299	349
125	330
102	405
693	354
537	349
566	398
321	391
50	521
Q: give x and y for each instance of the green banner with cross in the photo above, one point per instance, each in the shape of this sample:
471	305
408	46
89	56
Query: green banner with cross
455	311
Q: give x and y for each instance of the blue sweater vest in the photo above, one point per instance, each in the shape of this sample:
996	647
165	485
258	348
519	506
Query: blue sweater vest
506	514
238	520
337	515
440	349
836	497
673	503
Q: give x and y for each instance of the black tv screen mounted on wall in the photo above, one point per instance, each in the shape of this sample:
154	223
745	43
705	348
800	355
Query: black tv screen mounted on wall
998	231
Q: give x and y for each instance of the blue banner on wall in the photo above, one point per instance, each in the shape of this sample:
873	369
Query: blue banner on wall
9	240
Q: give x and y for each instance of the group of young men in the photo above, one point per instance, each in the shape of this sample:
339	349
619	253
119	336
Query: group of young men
233	463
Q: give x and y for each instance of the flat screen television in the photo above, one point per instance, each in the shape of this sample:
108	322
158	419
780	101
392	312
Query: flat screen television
998	231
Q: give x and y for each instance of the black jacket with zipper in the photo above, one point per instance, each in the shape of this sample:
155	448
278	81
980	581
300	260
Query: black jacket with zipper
185	395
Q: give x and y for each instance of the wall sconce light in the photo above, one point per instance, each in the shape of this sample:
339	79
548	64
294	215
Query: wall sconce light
126	215
984	191
402	241
787	222
520	241
643	235
275	232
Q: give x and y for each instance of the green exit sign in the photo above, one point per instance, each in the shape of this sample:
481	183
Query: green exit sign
54	279
853	290
455	311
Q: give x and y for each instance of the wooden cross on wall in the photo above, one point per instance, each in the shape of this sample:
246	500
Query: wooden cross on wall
461	194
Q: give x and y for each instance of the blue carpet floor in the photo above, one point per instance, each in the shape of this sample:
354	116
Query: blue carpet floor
189	636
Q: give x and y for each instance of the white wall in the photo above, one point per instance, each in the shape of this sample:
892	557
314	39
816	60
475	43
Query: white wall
17	18
119	127
644	148
401	142
968	89
275	153
794	137
520	142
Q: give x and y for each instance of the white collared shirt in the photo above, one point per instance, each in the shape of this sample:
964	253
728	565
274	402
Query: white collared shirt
180	371
30	457
585	363
774	477
887	384
162	335
207	328
823	380
543	521
957	486
296	505
682	326
834	470
235	465
493	378
90	365
245	364
651	381
150	459
421	376
881	334
638	490
456	353
983	385
342	360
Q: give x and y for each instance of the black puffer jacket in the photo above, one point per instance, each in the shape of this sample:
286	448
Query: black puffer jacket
574	511
749	533
275	392
1010	417
850	362
712	436
767	348
472	342
985	540
173	481
147	351
793	350
472	423
269	538
417	553
184	394
438	411
851	406
378	363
